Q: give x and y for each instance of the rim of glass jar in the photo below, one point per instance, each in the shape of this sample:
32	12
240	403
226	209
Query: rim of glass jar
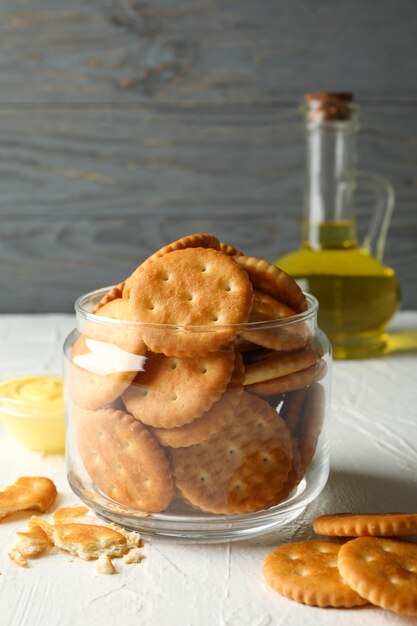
82	312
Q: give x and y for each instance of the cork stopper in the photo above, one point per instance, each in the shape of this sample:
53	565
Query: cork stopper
325	106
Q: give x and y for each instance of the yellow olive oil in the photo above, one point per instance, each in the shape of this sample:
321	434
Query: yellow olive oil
356	293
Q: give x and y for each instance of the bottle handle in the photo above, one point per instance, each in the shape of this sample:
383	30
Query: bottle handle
384	192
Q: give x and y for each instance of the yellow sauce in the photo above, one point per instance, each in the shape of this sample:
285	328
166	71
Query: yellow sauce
32	409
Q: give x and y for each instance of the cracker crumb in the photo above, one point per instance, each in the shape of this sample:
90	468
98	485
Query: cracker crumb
133	556
105	565
18	558
133	538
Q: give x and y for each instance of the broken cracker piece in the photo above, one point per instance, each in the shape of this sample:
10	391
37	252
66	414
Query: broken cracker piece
28	492
88	541
133	556
36	521
18	558
68	513
105	565
28	545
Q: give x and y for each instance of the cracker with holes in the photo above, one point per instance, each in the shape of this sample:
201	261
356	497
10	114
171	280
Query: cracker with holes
28	493
210	422
173	391
307	572
184	288
124	459
240	469
274	282
282	337
384	571
366	524
199	240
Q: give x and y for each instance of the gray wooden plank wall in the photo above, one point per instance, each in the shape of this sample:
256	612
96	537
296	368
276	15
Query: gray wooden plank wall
125	124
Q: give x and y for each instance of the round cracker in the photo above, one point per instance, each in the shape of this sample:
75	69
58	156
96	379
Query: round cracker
127	337
124	459
273	281
307	572
240	469
113	294
200	240
173	391
310	423
93	391
220	414
276	365
290	382
195	286
366	525
384	571
292	408
292	336
226	248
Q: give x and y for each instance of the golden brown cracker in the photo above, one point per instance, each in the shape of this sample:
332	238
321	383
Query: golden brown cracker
29	545
220	414
273	281
276	336
277	365
384	571
240	469
88	541
185	288
310	425
173	391
113	294
199	240
127	336
226	248
35	493
307	572
290	382
124	459
366	524
68	513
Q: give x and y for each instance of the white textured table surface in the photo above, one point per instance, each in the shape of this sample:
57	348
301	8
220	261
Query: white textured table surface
373	468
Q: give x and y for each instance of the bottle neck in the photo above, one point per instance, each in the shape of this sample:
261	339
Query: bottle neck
329	220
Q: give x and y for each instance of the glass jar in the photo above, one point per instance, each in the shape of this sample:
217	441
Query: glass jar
243	448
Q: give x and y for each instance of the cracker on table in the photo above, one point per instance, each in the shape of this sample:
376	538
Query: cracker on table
35	493
69	513
189	288
88	541
307	572
384	571
173	391
273	281
210	422
240	469
124	459
28	545
366	524
199	240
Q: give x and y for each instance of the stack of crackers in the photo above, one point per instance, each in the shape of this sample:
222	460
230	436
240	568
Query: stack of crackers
373	568
222	339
